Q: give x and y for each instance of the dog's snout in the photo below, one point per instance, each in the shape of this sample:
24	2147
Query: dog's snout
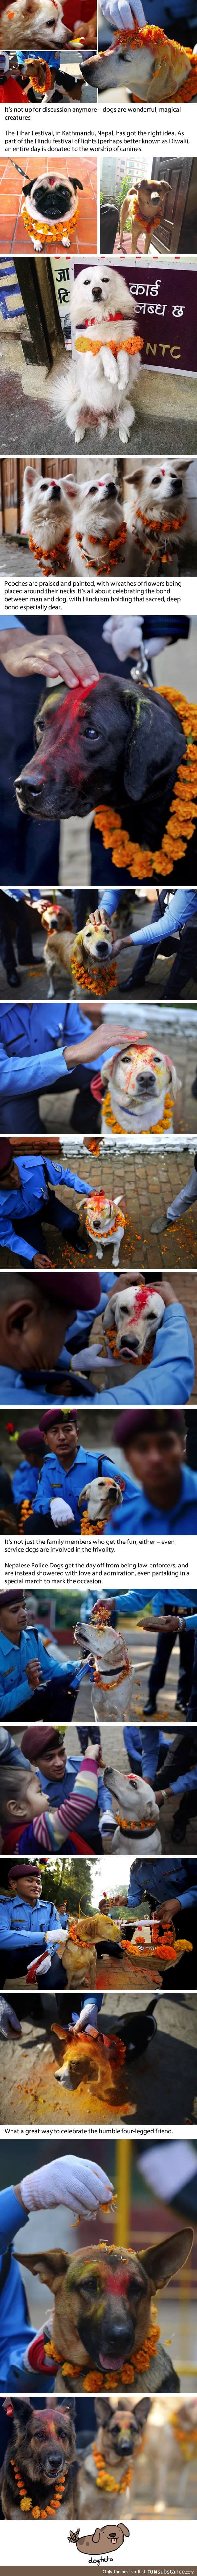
29	793
56	491
97	294
146	1082
176	483
110	490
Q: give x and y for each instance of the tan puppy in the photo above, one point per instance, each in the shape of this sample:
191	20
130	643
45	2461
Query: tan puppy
143	208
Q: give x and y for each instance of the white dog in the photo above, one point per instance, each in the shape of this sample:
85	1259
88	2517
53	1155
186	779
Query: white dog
104	1224
138	1079
47	505
96	524
99	385
113	1674
156	491
134	1803
100	1499
32	18
137	1314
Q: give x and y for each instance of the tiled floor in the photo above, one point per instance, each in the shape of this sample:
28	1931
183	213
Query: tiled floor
13	235
149	1183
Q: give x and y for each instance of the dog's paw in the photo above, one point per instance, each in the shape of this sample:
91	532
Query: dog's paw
80	434
123	366
102	426
109	366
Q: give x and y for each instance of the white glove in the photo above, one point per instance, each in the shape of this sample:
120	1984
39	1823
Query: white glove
8	2019
121	14
125	634
60	1513
67	2180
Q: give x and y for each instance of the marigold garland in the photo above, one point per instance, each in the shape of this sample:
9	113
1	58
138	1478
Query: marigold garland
154	531
153	36
96	2379
188	2440
179	829
114	545
88	975
114	2486
40	2513
51	560
112	1122
95	345
55	234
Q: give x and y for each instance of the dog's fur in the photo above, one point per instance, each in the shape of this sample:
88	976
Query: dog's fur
100	1499
136	1313
150	196
44	2450
138	1079
97	512
143	74
32	19
103	2300
46	514
51	200
102	1222
99	388
135	1802
115	743
119	2429
106	2537
109	1658
161	490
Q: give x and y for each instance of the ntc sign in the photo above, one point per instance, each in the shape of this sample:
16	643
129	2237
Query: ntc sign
166	316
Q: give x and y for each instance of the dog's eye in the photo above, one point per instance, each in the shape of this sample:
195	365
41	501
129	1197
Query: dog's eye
90	733
156	478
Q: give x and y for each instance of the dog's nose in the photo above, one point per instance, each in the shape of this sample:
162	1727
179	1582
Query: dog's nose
176	483
56	491
146	1081
55	2455
29	794
110	489
97	294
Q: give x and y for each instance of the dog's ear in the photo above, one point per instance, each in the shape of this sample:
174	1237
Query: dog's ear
13	2412
28	477
50	2267
149	747
101	2409
70	486
83	1498
78	184
161	2261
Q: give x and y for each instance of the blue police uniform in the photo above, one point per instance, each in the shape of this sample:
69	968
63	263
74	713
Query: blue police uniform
31	1199
141	1515
14	1686
16	2333
181	909
54	1480
24	1483
150	1747
22	1925
162	1879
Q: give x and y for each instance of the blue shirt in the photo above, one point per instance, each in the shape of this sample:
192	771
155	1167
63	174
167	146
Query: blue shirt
24	1483
15	2331
14	1685
54	1480
33	1194
141	1515
163	1879
181	909
173	1354
20	1923
149	1743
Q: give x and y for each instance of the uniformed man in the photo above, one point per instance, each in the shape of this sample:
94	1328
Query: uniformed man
27	1922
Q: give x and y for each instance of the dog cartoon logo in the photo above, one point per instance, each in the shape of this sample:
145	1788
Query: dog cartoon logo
110	2536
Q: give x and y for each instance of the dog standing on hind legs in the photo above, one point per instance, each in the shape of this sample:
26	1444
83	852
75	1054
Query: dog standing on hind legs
98	385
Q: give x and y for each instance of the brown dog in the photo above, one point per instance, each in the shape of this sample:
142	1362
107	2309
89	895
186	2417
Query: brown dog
40	2456
107	2536
120	2433
103	2303
143	208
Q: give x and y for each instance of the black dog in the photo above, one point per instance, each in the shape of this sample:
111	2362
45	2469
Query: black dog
114	743
41	2454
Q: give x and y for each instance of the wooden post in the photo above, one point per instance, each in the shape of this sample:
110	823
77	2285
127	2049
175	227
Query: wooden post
123	2187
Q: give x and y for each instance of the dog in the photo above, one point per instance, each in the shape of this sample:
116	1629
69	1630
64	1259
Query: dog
99	1499
97	2074
117	742
98	510
113	1674
106	2537
100	387
119	2435
157	492
46	516
143	208
102	1222
156	70
136	1314
32	18
138	1079
134	1806
47	201
102	2304
41	2453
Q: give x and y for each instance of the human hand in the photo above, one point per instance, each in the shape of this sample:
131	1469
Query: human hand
67	2181
60	1513
40	1261
124	633
9	2023
33	1670
54	655
167	1911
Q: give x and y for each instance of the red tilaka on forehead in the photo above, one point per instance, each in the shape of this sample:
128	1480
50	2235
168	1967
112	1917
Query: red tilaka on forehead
118	2281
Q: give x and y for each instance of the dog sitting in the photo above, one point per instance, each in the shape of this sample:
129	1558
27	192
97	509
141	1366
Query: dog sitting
137	1080
42	18
47	201
46	515
40	2456
159	493
120	2431
136	1314
143	208
136	1812
102	1222
102	2308
151	67
97	523
100	388
116	742
113	1673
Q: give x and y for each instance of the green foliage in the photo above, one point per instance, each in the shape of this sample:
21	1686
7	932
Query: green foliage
66	1882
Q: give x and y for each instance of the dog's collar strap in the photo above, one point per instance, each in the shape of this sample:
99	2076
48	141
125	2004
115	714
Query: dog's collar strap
127	854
